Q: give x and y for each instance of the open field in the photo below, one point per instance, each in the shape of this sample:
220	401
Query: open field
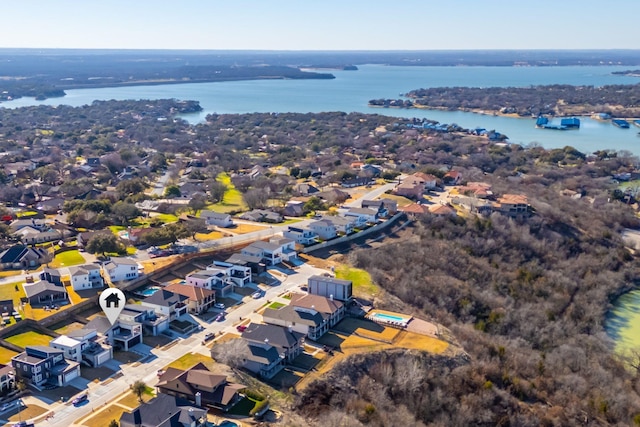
29	338
67	259
247	228
361	279
214	235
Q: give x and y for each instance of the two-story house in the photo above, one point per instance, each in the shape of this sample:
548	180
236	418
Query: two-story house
83	345
362	216
86	276
302	236
240	275
121	269
42	364
270	253
214	278
200	386
51	275
123	334
153	322
199	300
287	247
324	229
311	315
287	342
330	287
513	205
168	303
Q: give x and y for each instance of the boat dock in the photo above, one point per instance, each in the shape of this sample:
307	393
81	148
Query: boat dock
622	124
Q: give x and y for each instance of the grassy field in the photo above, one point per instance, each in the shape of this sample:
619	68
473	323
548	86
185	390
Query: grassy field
361	279
276	305
67	259
104	417
232	200
247	228
29	338
6	355
191	359
214	235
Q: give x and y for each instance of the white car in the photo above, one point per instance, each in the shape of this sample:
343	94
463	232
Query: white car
256	295
219	305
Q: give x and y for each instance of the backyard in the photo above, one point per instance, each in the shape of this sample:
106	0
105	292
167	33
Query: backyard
361	279
29	338
232	200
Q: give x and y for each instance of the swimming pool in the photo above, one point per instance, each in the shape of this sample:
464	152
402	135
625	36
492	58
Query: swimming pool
147	292
227	423
388	317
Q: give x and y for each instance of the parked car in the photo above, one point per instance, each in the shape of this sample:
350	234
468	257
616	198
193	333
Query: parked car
209	336
256	295
219	305
241	328
220	317
78	400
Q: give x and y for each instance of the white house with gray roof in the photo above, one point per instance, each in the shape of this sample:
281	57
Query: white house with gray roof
216	218
121	269
86	277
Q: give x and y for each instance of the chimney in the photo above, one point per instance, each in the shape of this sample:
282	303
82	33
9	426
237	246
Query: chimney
290	329
198	400
331	297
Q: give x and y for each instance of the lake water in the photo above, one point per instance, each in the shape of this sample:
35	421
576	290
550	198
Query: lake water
351	90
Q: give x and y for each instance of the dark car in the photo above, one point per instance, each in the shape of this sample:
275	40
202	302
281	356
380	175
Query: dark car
78	400
209	336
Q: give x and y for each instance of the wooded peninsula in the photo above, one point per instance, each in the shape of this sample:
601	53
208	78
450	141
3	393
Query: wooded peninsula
553	100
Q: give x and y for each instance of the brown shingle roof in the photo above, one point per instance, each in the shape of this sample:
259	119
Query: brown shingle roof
191	292
319	303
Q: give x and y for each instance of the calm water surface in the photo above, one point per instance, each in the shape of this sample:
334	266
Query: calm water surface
351	90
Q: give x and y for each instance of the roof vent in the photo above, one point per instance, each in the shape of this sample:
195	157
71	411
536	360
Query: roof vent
331	297
266	340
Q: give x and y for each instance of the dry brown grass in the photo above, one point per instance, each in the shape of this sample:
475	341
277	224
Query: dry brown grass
247	228
104	417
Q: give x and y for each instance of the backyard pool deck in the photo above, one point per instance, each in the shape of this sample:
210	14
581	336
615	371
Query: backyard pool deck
389	318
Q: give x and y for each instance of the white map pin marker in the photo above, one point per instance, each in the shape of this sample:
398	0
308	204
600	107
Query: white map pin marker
112	302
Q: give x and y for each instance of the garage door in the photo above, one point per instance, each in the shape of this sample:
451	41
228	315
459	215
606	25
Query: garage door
134	341
71	375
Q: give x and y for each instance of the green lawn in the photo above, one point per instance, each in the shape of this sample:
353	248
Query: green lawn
290	221
276	305
243	407
191	359
67	259
232	200
360	278
29	338
116	228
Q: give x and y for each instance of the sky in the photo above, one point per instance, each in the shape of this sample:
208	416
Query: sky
321	24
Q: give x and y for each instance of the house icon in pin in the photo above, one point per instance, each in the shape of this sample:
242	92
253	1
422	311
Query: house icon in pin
112	299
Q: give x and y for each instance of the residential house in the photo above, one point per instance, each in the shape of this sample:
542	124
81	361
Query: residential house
383	207
301	236
51	206
44	293
452	177
362	216
123	334
293	208
165	411
357	182
513	205
415	210
268	348
37	224
334	195
214	278
121	269
262	215
240	275
287	247
253	262
330	287
324	229
270	253
311	315
153	322
86	276
481	190
411	189
32	236
200	386
215	218
83	345
22	257
168	303
7	378
42	364
51	275
305	189
371	170
287	342
135	235
442	210
342	224
199	300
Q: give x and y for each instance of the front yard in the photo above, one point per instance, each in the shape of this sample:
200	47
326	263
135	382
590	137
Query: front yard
29	338
67	259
